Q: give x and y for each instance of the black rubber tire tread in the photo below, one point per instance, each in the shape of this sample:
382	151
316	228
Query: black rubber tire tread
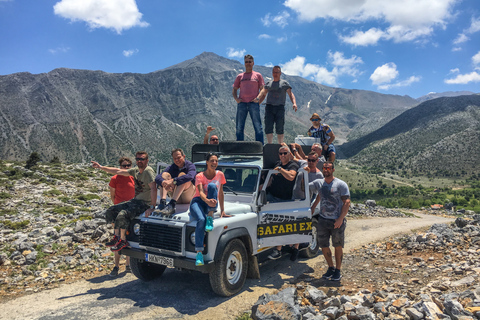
270	155
308	252
240	147
218	277
146	271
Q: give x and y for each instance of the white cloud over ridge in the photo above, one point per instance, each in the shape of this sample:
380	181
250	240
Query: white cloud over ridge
118	15
341	67
384	75
235	53
408	20
464	78
129	53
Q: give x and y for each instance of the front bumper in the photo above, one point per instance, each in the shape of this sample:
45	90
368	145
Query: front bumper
178	262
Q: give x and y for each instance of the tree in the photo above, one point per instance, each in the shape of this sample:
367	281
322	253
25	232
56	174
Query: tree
32	160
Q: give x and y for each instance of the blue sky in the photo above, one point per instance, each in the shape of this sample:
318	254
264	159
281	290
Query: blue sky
405	47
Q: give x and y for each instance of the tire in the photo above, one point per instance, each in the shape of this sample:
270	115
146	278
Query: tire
230	272
313	247
146	271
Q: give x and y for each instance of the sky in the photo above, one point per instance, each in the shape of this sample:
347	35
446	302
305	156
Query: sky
403	47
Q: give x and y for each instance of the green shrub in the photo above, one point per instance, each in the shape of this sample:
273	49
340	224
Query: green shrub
32	160
15	225
88	196
64	210
5	195
52	192
9	212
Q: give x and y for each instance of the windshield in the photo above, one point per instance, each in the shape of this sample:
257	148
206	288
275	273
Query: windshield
239	180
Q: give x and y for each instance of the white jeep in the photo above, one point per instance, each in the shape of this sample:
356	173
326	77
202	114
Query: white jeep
233	247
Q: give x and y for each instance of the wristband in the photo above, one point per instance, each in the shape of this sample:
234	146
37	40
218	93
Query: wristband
152	207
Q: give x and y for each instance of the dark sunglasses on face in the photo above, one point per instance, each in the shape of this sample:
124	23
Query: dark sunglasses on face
283	153
140	159
315	120
327	168
312	160
248	61
213	139
126	165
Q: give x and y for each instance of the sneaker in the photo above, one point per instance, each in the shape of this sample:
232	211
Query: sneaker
329	273
120	245
128	269
294	254
168	210
275	255
336	275
199	259
114	272
161	206
209	224
112	242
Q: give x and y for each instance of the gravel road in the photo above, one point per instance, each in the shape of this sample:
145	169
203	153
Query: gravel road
182	295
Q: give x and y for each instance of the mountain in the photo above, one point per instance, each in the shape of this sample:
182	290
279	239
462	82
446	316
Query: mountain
438	137
79	115
434	95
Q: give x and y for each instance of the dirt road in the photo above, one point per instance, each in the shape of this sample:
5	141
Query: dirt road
181	295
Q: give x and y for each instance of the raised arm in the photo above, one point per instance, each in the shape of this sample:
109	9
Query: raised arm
110	170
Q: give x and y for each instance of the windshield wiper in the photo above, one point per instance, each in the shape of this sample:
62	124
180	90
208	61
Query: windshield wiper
230	189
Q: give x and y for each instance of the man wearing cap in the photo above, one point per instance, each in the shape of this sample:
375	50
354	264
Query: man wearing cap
325	134
249	83
277	90
213	139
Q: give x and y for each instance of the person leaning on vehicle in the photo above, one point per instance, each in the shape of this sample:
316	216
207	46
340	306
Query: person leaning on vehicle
334	198
145	197
122	189
325	134
178	180
213	139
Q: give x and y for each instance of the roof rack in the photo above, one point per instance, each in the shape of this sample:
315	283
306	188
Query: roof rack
238	148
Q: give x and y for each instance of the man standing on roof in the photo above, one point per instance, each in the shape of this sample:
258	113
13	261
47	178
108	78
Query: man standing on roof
213	139
178	181
249	83
277	90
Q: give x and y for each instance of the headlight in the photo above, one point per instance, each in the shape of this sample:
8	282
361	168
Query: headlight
192	238
136	228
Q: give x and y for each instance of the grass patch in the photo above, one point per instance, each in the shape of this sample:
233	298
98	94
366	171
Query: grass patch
9	212
52	192
15	225
88	196
64	210
5	195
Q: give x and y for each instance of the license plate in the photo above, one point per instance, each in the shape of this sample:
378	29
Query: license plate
159	260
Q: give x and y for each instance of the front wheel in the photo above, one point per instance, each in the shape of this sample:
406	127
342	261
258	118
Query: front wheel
144	270
313	247
230	272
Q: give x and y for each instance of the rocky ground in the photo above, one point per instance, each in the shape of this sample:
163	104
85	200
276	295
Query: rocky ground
52	231
432	274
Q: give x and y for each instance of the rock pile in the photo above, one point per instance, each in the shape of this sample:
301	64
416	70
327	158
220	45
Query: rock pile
428	275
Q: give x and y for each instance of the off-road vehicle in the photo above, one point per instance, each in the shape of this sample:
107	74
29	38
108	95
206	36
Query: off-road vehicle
233	247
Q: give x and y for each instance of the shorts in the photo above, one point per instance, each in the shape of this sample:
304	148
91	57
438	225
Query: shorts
331	148
326	229
123	213
274	115
187	194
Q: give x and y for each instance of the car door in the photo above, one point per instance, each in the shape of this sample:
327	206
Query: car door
284	222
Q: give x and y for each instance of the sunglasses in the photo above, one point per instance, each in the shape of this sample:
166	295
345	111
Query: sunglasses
213	139
283	153
140	159
248	61
314	119
327	168
312	160
126	165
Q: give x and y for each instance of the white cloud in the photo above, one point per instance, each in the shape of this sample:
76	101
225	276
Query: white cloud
281	39
281	19
454	49
129	53
341	66
61	49
474	27
235	53
360	38
461	38
118	15
476	59
464	78
398	84
407	19
456	70
384	74
264	36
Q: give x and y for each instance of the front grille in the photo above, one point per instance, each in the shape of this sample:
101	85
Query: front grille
161	236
